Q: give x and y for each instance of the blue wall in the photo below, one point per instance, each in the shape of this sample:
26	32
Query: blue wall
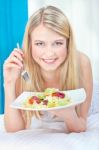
13	18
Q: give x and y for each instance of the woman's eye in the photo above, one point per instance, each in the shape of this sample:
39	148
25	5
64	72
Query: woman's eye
58	43
39	44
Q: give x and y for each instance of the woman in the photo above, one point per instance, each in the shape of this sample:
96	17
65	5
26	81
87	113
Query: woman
52	60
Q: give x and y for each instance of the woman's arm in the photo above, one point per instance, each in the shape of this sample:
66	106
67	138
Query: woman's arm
77	122
87	83
12	117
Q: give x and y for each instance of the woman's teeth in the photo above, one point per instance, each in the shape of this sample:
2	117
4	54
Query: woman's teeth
49	60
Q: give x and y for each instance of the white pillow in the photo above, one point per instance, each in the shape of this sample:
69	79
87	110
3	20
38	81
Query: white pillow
2	123
95	99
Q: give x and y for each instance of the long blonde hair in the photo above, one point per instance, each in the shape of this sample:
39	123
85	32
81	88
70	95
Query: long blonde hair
54	19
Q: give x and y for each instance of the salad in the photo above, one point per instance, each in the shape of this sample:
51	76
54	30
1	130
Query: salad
51	97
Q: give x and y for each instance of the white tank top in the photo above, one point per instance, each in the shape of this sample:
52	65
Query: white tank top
50	122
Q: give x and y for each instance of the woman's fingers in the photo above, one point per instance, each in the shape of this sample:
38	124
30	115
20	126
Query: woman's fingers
17	53
18	50
16	57
12	65
15	60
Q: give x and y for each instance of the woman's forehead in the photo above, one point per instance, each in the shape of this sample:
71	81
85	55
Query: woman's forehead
44	33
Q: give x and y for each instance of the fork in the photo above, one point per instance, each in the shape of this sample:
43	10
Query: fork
24	73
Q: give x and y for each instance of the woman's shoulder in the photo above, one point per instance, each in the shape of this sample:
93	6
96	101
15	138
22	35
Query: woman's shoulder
85	69
84	60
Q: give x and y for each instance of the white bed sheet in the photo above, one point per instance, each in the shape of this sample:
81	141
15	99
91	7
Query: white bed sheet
50	139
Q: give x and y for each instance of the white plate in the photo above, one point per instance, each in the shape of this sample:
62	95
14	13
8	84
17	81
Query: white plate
77	96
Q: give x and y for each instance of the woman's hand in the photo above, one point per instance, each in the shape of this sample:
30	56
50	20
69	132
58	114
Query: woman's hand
72	121
63	113
13	66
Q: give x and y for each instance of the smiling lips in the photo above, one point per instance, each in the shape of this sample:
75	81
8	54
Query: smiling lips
49	61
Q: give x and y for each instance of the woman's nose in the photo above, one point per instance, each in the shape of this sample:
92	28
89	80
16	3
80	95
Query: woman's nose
50	51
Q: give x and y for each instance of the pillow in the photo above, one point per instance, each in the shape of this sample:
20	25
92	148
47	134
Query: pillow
2	123
95	99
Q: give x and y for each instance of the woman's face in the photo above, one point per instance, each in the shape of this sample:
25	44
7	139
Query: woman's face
48	48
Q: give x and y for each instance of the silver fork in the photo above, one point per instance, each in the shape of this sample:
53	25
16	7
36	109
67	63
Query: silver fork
24	73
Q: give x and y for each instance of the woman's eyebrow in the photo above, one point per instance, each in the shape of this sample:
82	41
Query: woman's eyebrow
38	41
56	40
60	39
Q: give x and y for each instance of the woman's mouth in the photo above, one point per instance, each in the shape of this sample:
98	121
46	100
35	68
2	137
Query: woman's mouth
49	61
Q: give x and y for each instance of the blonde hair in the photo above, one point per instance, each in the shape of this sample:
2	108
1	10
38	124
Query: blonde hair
54	19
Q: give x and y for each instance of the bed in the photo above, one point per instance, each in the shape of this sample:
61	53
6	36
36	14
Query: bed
44	139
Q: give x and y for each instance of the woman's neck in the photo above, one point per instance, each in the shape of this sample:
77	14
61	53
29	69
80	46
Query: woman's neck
52	79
